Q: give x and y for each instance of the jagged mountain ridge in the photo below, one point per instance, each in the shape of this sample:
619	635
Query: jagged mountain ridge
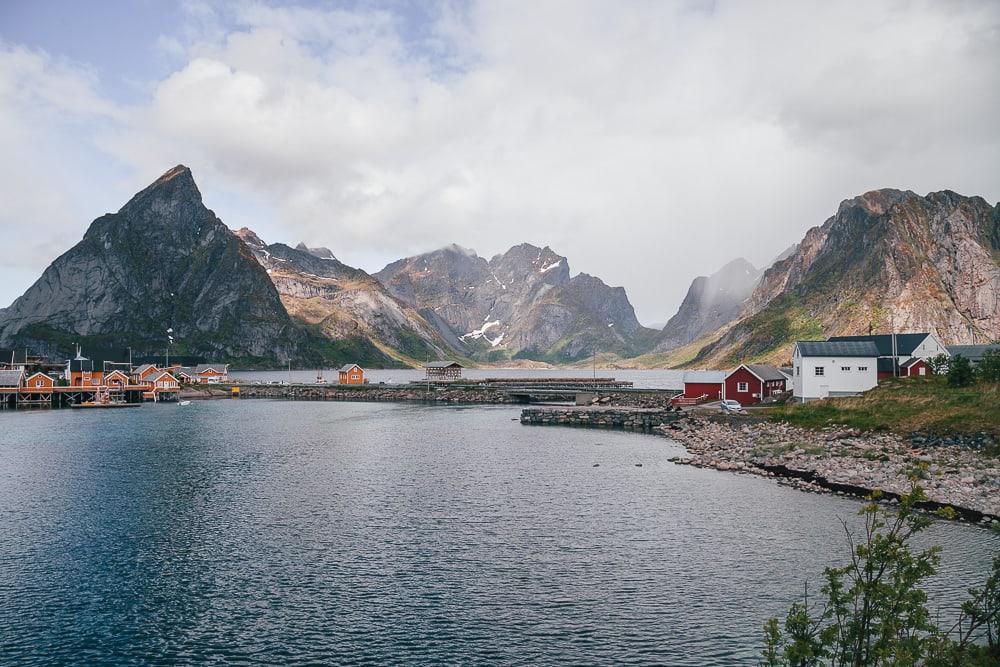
522	304
711	302
887	259
342	301
163	261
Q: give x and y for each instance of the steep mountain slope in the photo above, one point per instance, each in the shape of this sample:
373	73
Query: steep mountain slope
164	261
520	304
344	302
711	302
888	258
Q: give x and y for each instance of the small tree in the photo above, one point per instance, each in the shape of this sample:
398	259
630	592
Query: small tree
960	372
938	364
875	612
989	368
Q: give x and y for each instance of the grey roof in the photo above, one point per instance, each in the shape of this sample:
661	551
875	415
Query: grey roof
765	372
905	343
822	348
142	369
442	364
347	368
161	374
973	353
221	368
912	361
11	378
707	377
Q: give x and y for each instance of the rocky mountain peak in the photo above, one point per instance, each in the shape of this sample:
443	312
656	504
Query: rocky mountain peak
319	252
250	237
710	302
176	185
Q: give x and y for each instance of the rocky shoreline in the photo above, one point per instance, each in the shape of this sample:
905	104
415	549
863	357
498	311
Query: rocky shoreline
845	461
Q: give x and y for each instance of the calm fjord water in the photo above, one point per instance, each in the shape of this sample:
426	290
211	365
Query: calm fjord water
273	532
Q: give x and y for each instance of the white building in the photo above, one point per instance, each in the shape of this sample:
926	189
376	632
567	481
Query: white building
896	349
822	369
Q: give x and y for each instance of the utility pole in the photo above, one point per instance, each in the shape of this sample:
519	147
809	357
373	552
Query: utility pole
996	306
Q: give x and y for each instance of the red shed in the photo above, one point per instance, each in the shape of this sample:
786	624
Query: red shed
704	383
914	367
752	383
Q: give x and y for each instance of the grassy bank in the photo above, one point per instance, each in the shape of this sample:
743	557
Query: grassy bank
904	406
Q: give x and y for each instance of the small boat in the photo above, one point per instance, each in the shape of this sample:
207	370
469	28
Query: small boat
185	402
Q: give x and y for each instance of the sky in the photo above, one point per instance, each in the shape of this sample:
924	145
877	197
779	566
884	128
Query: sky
648	141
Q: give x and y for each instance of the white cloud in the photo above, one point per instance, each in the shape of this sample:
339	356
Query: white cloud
649	142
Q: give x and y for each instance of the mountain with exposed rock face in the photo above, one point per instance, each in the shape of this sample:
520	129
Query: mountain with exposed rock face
519	304
344	302
887	260
165	262
711	302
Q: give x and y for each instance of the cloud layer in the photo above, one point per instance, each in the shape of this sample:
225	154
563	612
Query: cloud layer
649	142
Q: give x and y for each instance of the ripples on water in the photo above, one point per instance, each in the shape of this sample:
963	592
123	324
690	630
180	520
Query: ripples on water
275	532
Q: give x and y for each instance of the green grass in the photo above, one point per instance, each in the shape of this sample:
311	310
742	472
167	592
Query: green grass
903	405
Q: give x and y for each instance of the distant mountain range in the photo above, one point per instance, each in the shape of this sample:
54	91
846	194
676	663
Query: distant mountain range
522	304
165	268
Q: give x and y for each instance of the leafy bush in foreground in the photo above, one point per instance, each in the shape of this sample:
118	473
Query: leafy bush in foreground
874	612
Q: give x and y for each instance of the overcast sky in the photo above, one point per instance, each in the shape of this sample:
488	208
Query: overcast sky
649	142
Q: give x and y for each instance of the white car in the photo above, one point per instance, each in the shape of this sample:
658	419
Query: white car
730	406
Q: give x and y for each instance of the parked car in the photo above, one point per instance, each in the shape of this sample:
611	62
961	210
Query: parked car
729	405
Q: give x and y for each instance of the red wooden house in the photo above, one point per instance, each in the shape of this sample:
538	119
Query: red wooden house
914	367
40	382
752	383
116	379
351	374
704	384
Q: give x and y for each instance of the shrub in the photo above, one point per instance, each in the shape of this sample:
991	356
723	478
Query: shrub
959	372
874	610
989	368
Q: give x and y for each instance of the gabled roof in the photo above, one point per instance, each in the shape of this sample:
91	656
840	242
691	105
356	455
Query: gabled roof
116	372
443	364
218	368
831	348
11	378
763	372
912	361
973	353
142	369
348	367
705	377
906	343
161	374
186	370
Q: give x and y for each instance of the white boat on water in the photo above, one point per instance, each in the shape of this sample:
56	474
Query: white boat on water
185	402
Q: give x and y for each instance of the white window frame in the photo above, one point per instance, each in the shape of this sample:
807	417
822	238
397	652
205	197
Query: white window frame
862	369
819	371
845	369
742	387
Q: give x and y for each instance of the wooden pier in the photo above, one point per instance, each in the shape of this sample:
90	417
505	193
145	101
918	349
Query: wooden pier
12	398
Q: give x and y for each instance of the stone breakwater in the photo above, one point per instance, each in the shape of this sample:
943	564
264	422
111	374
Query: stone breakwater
844	461
385	394
625	419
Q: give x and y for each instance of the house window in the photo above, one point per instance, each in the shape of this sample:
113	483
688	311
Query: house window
796	370
923	371
863	369
845	368
820	370
742	386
